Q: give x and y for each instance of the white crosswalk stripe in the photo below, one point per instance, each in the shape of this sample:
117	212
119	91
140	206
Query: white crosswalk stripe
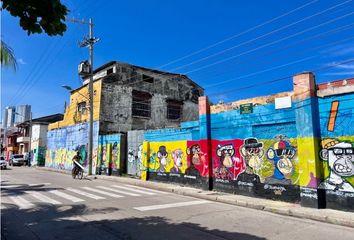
86	194
145	189
21	202
66	196
171	205
119	191
103	192
43	198
134	190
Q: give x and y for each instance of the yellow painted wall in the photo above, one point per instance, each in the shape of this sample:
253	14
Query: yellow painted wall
71	115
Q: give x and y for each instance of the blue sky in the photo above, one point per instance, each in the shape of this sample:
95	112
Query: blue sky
155	32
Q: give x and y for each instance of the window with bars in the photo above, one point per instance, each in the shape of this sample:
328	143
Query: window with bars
174	109
141	106
81	107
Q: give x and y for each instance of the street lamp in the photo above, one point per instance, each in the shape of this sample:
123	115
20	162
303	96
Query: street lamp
30	136
67	87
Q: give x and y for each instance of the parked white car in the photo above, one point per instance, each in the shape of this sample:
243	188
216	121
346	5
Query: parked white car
3	162
17	159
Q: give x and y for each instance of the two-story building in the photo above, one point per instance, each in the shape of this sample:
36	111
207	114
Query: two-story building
126	97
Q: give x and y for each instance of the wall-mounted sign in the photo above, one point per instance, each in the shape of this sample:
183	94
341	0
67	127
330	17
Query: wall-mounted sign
283	102
246	108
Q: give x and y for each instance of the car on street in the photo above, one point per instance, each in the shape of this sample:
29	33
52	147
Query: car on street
17	159
3	162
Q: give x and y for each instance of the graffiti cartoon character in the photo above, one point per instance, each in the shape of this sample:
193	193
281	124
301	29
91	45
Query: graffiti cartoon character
177	156
225	154
194	156
340	157
131	156
115	157
252	152
282	153
162	155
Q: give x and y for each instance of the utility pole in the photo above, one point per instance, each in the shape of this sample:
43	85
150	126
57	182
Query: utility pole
89	42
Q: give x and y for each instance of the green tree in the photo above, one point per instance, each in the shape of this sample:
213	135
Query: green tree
37	16
7	56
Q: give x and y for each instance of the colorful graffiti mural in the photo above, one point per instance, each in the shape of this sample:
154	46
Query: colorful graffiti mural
282	154
252	152
228	164
63	143
108	156
339	156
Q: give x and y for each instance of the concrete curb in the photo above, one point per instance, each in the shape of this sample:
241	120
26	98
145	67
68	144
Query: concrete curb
295	211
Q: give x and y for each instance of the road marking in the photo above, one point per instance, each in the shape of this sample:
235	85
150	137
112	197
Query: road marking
134	190
86	194
38	184
12	186
26	185
119	191
43	198
102	192
66	196
146	189
21	202
171	205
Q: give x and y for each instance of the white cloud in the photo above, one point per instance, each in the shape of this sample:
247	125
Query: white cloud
340	50
21	61
346	66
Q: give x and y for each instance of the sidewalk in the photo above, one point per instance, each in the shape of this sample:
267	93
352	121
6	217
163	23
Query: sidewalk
283	208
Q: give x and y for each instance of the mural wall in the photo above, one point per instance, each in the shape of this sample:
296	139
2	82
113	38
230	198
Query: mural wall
135	152
64	142
109	154
337	150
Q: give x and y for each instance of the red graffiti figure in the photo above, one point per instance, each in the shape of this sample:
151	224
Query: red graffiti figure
228	166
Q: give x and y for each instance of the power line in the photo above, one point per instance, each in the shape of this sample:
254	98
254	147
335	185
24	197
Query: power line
269	44
279	66
39	70
274	31
238	34
281	78
262	36
252	50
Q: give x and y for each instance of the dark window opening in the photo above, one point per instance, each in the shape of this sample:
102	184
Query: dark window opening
81	107
148	79
141	104
174	109
110	71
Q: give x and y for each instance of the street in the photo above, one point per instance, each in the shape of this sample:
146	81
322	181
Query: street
37	204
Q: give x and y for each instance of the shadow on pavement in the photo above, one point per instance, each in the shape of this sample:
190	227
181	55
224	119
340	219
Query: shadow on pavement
80	222
8	190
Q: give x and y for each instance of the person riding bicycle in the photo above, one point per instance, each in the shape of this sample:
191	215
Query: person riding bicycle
77	158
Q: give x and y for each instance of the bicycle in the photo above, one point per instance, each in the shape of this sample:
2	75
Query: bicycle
77	172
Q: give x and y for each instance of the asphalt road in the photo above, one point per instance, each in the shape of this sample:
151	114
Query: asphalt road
47	205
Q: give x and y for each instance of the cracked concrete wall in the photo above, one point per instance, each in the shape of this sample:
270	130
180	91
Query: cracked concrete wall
116	99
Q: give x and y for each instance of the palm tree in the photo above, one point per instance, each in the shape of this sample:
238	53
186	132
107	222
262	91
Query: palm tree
7	56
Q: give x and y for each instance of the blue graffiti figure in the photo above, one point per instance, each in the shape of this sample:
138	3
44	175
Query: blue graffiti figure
282	153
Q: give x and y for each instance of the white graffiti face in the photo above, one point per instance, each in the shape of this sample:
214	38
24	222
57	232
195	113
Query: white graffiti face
177	156
131	157
341	159
162	155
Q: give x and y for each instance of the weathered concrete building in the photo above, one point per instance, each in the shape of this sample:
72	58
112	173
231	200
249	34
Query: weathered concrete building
126	97
136	98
